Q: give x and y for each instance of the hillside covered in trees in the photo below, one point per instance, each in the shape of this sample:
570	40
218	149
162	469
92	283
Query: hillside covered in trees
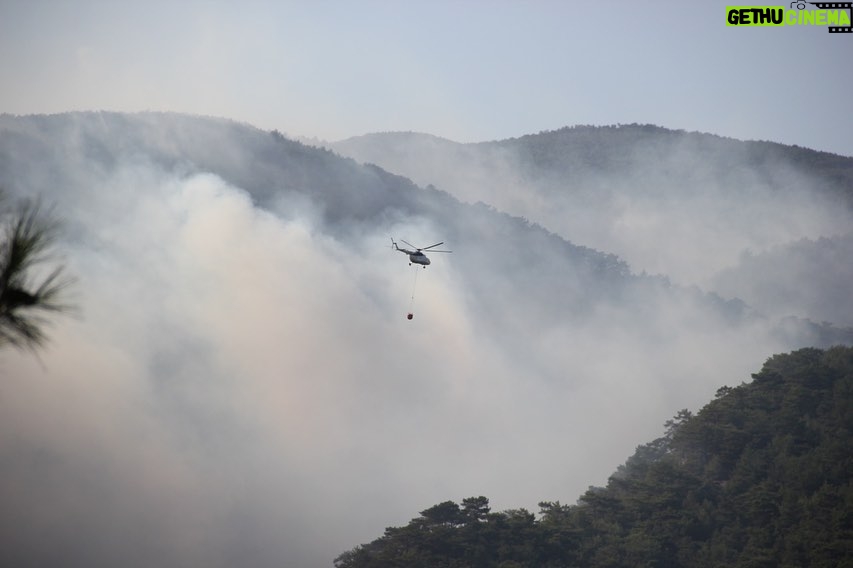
762	476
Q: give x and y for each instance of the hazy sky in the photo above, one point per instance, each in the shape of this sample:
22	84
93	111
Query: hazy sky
468	71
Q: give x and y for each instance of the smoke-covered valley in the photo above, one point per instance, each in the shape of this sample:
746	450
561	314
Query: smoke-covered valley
241	385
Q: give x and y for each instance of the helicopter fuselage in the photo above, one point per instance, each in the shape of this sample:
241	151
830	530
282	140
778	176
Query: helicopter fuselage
419	258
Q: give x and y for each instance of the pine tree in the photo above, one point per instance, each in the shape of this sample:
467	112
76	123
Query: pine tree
27	292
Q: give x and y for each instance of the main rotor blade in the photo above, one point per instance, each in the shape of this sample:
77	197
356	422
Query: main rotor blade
435	245
432	251
410	244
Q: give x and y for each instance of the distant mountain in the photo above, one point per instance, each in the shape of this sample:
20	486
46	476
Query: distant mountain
684	204
38	153
569	159
761	476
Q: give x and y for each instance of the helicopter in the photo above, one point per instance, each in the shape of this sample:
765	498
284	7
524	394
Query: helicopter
417	256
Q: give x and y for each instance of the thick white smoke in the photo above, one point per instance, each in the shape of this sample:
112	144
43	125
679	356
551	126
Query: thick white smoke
242	386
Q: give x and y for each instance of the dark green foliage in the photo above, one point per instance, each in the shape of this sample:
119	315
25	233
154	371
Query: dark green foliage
759	477
24	295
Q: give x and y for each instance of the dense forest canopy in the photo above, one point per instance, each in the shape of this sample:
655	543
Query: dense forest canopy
762	476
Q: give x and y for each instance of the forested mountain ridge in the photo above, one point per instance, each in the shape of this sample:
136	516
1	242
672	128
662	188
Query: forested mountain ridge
760	476
350	199
572	155
684	204
280	175
595	168
621	148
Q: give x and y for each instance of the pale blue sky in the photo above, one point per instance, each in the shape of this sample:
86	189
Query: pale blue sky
464	70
